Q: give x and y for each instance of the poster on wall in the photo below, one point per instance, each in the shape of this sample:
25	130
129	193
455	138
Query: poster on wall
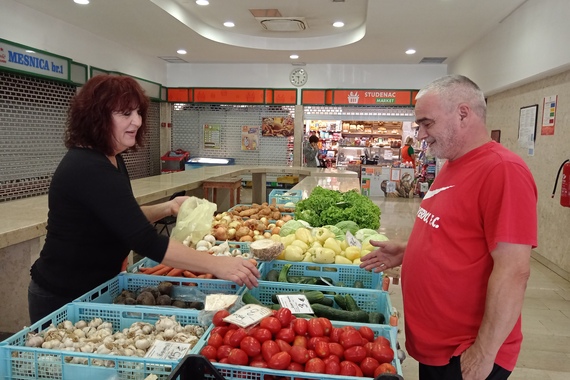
212	136
527	126
277	126
249	138
549	115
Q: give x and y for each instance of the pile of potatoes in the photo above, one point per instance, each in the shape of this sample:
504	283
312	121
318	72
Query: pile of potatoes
155	296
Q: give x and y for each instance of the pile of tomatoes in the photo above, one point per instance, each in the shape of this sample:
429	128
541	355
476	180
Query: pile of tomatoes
284	342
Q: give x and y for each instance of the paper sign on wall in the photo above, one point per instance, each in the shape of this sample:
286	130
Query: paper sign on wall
549	115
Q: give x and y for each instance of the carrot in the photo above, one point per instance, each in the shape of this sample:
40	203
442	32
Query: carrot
175	272
202	276
143	269
188	274
161	271
394	319
208	276
253	261
155	268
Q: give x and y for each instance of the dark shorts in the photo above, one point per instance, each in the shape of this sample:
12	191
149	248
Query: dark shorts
452	371
42	302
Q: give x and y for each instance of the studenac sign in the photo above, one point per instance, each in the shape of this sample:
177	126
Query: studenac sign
25	60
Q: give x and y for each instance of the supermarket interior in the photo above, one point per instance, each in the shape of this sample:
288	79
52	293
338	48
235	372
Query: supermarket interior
296	141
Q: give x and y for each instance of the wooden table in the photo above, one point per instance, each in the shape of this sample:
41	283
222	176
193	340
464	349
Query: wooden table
233	184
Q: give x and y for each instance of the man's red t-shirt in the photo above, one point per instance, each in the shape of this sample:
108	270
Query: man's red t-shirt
484	197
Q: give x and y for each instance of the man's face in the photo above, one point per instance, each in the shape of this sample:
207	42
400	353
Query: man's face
438	126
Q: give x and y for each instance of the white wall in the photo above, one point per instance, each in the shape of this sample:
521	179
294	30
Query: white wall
530	44
25	26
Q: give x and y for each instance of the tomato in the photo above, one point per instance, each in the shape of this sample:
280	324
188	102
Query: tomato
219	316
327	325
382	341
268	349
300	326
283	346
284	316
368	346
332	366
256	358
222	330
313	341
348	328
350	338
322	349
336	349
355	354
299	354
348	368
210	352
261	334
367	333
368	366
280	360
237	337
270	323
315	328
250	346
295	367
227	337
223	360
384	368
223	351
312	354
300	341
286	334
335	334
215	340
238	356
258	364
315	365
383	354
231	326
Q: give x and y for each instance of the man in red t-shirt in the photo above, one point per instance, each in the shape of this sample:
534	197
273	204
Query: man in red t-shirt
466	264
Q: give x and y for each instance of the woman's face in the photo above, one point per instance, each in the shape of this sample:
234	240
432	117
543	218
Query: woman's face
125	128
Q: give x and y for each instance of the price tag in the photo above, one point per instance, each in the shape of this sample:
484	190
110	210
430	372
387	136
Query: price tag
352	241
248	315
219	301
167	350
297	303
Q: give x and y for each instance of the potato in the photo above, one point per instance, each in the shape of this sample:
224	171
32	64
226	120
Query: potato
178	303
152	290
146	298
165	287
164	299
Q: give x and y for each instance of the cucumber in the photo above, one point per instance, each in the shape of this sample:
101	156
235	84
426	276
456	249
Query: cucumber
313	296
376	318
326	301
351	303
340	301
247	298
272	275
339	315
358	284
340	284
283	273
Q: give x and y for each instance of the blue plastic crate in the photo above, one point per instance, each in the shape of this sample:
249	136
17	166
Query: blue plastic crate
108	291
367	300
280	197
230	371
20	362
345	273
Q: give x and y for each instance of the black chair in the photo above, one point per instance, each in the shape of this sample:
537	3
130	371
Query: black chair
169	220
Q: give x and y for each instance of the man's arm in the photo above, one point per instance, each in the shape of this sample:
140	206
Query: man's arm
505	295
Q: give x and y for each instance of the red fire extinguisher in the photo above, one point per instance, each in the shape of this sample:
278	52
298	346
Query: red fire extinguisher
565	186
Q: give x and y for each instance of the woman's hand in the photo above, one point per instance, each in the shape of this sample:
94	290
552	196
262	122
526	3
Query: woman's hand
236	269
388	255
175	204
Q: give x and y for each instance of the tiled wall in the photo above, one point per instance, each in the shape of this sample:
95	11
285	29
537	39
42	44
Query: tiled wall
32	124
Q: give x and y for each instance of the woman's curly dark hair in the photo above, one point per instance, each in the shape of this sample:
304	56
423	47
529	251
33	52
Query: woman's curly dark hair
89	118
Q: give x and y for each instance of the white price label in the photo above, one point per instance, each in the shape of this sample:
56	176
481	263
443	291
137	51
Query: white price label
297	303
248	315
167	350
352	241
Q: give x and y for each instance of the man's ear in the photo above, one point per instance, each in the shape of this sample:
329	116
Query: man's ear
464	111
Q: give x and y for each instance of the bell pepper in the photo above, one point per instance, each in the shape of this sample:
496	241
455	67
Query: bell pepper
364	252
333	244
300	243
344	245
324	256
321	234
304	235
308	257
287	240
341	260
356	261
294	253
352	253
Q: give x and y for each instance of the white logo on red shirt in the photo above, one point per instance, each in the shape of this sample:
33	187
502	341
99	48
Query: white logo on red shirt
432	193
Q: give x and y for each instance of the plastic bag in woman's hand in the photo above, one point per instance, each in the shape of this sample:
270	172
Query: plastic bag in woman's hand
194	219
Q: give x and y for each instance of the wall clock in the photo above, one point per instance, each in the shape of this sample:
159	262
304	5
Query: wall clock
298	77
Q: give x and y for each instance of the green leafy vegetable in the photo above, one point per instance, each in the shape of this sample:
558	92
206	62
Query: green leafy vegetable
364	233
348	225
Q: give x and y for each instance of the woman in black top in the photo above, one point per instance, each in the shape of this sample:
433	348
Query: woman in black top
94	220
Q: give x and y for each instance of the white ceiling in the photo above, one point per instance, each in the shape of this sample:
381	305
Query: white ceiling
375	32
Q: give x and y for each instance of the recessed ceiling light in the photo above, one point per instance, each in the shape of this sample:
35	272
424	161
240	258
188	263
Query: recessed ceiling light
229	24
202	2
181	51
30	51
294	56
338	24
410	51
82	2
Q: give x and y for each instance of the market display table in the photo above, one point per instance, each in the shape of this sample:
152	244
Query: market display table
233	184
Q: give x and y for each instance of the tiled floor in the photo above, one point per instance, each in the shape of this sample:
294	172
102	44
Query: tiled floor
545	352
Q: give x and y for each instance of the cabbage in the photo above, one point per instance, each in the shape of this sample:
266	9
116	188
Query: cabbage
291	226
375	237
363	233
348	225
337	231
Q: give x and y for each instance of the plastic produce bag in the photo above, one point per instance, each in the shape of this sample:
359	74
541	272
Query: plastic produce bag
194	219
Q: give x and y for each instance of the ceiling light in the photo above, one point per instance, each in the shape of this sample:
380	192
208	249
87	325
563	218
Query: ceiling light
181	51
229	24
202	2
410	51
30	51
338	24
294	56
82	2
